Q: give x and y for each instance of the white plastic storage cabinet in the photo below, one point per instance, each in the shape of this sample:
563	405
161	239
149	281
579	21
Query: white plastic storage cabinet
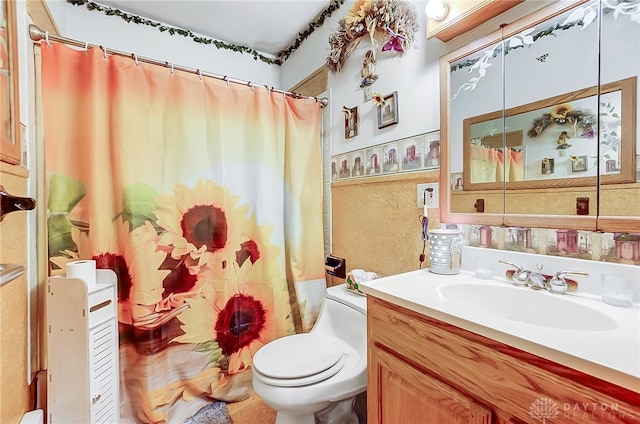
82	336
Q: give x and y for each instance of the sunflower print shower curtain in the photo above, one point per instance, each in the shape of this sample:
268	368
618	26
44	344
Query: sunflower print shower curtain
204	197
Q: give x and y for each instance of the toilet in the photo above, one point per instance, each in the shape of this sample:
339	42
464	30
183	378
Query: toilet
315	377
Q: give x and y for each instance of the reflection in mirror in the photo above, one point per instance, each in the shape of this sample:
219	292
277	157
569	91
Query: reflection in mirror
553	142
473	96
549	69
619	59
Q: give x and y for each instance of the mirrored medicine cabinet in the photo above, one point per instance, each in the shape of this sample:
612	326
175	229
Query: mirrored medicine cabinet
539	121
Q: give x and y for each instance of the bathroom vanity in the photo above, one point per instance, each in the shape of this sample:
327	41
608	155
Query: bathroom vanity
433	359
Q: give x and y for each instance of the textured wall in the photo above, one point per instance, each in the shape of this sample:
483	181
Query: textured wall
376	228
376	222
14	391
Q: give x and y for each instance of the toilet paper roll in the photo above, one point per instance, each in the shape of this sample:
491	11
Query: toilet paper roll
84	269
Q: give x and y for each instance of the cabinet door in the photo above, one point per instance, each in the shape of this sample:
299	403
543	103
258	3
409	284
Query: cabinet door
401	393
103	370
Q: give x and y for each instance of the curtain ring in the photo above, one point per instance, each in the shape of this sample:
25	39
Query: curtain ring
200	74
86	46
46	38
268	91
250	84
135	59
171	70
226	78
104	52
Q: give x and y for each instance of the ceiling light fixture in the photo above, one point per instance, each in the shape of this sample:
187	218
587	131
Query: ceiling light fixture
436	9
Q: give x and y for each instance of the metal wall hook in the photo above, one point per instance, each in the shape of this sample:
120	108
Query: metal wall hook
9	203
9	272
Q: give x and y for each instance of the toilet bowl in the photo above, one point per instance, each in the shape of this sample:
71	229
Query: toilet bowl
315	377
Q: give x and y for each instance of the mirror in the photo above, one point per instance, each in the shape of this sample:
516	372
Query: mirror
619	209
471	97
10	150
539	121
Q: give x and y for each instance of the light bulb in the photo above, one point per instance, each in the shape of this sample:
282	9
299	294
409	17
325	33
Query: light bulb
436	9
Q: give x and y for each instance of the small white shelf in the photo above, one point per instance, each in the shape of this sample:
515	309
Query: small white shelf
82	336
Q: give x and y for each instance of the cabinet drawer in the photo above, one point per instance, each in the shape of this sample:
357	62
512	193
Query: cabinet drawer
101	305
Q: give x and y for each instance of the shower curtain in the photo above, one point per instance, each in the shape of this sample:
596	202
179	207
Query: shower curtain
205	198
489	165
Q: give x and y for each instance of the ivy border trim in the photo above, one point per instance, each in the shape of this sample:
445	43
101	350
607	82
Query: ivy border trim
280	58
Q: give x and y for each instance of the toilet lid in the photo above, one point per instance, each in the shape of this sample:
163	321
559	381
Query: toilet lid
310	357
303	381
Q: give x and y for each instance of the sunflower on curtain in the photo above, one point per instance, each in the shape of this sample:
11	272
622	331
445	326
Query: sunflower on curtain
206	200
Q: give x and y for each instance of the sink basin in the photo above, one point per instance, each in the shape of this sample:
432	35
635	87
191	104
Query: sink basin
527	305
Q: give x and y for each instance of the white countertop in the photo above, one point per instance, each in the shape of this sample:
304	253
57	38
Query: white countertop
612	355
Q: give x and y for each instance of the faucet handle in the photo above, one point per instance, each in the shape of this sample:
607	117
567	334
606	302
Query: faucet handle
517	276
560	285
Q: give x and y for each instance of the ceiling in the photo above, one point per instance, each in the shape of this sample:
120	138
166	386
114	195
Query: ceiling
268	26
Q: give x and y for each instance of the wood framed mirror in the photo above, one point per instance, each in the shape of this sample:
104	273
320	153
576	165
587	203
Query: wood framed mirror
10	148
559	87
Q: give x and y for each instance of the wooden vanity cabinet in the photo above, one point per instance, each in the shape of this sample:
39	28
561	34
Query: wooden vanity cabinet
423	371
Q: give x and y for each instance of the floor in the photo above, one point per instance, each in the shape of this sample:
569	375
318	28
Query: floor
254	411
251	411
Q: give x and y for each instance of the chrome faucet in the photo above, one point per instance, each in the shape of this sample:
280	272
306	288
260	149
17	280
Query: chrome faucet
559	285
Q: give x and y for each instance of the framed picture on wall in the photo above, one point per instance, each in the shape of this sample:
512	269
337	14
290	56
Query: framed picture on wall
547	166
388	113
579	164
350	122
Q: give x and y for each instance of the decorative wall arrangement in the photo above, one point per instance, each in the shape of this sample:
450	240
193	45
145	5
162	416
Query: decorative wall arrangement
392	20
415	153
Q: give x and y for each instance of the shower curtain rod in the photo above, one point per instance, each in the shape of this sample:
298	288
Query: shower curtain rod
38	35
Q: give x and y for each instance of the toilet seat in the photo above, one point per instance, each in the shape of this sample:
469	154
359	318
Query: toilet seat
298	360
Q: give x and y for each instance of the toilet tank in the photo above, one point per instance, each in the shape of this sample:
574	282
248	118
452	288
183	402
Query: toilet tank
343	315
341	294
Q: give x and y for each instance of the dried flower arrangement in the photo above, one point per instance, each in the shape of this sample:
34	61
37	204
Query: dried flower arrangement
583	120
392	21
